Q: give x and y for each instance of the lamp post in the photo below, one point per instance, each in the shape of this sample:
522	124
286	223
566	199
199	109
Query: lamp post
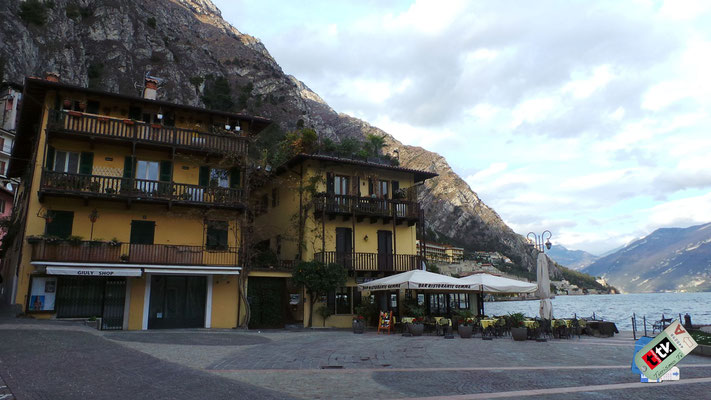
537	241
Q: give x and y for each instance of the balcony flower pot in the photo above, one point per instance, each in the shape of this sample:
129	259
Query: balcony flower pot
359	324
519	334
67	103
465	331
416	328
82	105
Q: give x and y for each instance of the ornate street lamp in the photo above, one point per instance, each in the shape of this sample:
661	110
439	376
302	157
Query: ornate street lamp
537	241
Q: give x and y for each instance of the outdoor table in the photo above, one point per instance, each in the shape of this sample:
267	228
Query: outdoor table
485	323
601	328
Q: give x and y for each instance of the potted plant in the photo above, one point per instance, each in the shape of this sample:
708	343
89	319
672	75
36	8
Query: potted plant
358	324
465	325
124	257
93	322
416	327
518	330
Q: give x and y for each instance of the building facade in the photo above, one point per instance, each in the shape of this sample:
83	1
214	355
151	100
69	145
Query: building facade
129	209
441	253
362	215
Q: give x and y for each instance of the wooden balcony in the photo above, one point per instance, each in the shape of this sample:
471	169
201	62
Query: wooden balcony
371	261
149	254
97	126
141	190
368	207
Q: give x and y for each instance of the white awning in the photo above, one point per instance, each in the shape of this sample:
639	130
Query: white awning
98	272
498	284
196	271
419	280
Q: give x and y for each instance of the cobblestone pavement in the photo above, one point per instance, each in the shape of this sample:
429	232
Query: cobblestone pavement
324	365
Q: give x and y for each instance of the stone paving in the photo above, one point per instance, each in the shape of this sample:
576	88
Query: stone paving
65	360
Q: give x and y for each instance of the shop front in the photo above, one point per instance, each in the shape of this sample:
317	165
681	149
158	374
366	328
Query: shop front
136	297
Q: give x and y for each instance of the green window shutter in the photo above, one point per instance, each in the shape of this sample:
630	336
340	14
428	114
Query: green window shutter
128	167
166	171
235	178
86	163
204	179
49	164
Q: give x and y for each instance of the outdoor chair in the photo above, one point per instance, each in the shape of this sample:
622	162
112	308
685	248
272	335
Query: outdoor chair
661	324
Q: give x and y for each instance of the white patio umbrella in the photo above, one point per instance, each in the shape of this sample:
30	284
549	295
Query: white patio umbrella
419	280
544	286
488	283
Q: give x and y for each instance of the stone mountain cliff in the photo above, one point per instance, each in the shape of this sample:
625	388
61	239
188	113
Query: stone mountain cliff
112	44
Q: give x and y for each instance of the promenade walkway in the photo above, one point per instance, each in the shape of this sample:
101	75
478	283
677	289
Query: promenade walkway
61	360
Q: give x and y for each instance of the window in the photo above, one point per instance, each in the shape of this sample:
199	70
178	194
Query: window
219	178
2	167
275	197
341	185
383	189
60	224
216	235
146	170
341	300
2	144
66	161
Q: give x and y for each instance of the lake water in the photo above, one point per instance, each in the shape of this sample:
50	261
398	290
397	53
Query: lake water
617	308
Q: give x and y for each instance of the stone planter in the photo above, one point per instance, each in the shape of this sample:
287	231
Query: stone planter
416	329
358	326
465	331
519	334
96	324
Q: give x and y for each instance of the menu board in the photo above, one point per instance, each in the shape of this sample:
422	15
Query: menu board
43	293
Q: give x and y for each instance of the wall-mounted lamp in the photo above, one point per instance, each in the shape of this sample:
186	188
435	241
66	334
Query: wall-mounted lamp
238	128
47	215
160	114
365	238
227	127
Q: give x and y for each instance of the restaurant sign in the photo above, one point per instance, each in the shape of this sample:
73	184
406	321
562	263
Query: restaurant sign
664	351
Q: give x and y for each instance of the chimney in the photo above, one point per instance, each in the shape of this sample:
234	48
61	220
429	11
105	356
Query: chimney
150	90
52	77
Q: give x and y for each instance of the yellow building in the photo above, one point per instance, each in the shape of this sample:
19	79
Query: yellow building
130	209
362	215
454	254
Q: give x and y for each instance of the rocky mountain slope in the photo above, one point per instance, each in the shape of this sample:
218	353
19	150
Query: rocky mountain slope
668	259
573	259
112	44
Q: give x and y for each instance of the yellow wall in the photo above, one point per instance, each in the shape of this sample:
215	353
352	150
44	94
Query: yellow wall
138	293
283	219
224	301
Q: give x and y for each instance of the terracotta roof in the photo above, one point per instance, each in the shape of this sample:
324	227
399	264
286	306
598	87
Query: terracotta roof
419	174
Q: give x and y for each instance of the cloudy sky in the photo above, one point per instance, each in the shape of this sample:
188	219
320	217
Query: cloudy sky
587	118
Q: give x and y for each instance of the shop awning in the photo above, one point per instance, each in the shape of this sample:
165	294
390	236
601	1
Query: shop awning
187	271
98	272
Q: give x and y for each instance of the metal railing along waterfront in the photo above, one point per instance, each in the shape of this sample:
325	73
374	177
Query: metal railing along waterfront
370	261
140	189
102	126
117	252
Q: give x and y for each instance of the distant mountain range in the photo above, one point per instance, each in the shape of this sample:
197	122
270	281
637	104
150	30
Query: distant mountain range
573	259
668	259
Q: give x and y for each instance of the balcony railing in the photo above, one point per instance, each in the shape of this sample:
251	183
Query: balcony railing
367	206
371	261
100	126
111	252
109	187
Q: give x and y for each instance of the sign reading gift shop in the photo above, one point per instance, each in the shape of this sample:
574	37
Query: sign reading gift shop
97	272
664	351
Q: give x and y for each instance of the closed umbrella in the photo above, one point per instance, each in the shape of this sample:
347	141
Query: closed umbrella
544	287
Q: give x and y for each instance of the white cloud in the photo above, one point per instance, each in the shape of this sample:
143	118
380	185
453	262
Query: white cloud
592	112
